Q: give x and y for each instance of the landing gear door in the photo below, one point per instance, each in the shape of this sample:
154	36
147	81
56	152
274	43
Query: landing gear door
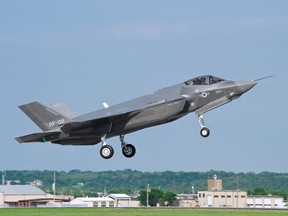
212	105
104	128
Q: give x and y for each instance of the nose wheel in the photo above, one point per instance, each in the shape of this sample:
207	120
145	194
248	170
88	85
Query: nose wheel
205	132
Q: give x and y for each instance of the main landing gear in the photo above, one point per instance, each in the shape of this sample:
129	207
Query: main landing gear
128	150
106	151
205	132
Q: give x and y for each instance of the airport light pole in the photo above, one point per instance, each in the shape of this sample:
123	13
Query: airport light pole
54	187
3	177
148	190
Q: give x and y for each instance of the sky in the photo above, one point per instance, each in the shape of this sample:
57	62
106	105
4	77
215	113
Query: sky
84	53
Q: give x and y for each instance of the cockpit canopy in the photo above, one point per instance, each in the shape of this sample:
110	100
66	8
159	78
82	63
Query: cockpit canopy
204	80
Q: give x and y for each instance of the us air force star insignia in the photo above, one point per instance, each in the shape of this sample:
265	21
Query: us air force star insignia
204	94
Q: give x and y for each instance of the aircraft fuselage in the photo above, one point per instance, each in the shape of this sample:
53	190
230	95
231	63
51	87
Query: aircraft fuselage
160	107
61	125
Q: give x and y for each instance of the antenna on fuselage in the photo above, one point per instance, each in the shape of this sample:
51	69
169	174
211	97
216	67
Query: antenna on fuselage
266	77
105	105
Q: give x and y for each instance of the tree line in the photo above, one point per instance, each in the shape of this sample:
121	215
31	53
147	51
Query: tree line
88	183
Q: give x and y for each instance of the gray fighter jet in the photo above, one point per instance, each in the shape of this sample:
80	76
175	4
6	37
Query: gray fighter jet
61	125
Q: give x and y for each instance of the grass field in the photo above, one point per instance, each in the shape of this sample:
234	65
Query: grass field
137	212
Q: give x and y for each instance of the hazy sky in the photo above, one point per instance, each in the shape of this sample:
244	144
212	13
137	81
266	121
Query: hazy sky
85	52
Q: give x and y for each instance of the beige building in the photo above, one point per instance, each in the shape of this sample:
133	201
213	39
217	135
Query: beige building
186	201
231	199
215	184
123	200
23	196
216	197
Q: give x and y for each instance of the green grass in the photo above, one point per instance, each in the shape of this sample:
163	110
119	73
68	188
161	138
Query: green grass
137	212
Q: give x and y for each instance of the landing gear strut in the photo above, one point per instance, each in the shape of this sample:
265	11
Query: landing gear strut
106	150
204	131
128	150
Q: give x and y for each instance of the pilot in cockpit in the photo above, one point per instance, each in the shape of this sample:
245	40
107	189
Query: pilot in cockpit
204	81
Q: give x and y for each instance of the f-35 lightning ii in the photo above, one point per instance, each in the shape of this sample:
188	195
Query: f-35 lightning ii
61	125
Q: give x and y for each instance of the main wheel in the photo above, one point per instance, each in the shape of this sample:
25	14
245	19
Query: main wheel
129	150
106	151
205	132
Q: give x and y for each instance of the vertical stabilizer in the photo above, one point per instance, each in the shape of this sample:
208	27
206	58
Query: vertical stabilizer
43	116
65	110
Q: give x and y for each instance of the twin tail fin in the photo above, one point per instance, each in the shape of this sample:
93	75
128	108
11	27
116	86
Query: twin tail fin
48	118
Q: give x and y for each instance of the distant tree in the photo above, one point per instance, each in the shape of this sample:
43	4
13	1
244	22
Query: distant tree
128	181
142	198
154	197
159	196
167	198
279	193
259	191
262	191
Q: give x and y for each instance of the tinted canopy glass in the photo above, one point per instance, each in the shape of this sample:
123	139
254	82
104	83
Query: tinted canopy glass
204	80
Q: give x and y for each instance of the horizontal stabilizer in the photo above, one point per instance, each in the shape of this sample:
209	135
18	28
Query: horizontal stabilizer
39	137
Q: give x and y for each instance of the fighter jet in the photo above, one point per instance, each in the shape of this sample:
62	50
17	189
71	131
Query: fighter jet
61	125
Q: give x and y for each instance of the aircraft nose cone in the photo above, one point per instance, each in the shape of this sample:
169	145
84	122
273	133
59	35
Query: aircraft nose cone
241	87
246	86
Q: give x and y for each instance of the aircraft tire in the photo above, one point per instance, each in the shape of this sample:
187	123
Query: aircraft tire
129	150
205	132
106	151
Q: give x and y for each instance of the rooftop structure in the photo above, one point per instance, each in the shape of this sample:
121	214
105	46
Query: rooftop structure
23	196
112	200
21	190
215	196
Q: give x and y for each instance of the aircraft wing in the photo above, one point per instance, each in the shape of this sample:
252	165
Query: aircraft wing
104	117
102	122
212	105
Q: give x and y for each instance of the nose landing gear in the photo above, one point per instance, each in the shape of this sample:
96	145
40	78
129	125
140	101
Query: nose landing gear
205	132
128	150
